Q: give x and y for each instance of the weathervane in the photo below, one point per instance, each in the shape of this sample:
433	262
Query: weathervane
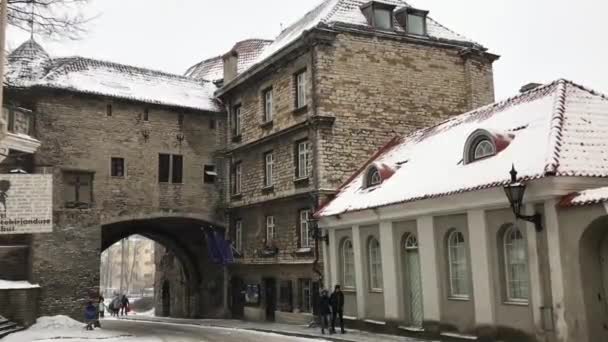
31	21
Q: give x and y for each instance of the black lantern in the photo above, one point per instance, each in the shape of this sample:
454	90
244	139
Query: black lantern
317	234
515	193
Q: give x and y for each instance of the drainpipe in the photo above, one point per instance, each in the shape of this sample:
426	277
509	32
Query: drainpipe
3	21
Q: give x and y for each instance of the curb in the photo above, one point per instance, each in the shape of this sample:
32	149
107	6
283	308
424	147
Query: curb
278	332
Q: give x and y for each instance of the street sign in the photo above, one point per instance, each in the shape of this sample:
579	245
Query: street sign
26	203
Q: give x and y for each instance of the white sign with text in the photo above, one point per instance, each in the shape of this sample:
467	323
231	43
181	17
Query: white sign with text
26	204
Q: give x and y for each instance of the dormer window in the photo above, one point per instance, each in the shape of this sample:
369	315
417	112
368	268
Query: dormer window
483	149
413	20
482	144
373	177
379	14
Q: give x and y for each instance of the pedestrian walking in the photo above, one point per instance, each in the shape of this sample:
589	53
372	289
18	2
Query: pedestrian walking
115	306
101	306
324	310
90	315
124	305
337	309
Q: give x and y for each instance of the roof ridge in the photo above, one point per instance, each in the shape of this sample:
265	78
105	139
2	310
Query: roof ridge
69	60
555	133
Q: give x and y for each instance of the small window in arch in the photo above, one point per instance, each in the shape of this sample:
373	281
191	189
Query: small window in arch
480	145
373	177
483	149
411	242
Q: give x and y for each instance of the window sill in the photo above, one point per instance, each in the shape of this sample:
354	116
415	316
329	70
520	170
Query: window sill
302	181
236	197
300	110
516	302
118	177
461	299
267	124
236	138
349	289
376	291
268	189
304	251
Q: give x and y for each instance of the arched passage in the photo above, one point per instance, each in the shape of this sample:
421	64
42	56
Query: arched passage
183	237
593	249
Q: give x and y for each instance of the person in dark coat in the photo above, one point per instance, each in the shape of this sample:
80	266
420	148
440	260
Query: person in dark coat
90	315
324	310
124	305
337	309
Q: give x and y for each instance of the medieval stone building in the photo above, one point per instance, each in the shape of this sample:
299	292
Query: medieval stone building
308	108
131	151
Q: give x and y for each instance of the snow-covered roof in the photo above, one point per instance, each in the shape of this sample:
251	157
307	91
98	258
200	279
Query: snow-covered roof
30	66
212	69
586	197
347	13
17	285
560	129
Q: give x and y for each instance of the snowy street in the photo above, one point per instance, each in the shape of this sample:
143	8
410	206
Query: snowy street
63	328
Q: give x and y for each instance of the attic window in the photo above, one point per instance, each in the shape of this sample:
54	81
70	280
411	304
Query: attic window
480	145
379	14
413	20
373	177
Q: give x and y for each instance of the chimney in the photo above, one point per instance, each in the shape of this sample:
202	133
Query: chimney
529	87
231	60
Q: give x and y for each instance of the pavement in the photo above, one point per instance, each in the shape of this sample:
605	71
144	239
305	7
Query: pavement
292	330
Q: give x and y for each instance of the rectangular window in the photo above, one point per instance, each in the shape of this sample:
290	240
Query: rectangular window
211	124
238	236
304	159
305	240
117	168
180	120
177	169
109	110
383	19
416	24
270	230
146	114
305	295
236	178
78	189
209	174
236	120
301	99
164	168
268	105
170	168
268	169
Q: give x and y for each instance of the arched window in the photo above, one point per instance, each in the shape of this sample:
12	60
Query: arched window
457	264
516	265
348	265
411	242
480	144
373	177
375	264
483	149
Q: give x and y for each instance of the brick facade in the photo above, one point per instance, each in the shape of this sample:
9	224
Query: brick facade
362	89
78	135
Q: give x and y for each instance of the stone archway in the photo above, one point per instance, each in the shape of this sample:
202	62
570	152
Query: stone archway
184	237
593	264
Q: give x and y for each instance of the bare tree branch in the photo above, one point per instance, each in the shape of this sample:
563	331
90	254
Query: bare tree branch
55	19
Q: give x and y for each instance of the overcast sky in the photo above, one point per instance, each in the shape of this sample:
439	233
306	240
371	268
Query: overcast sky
538	40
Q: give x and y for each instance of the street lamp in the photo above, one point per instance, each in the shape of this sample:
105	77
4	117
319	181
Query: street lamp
316	231
515	193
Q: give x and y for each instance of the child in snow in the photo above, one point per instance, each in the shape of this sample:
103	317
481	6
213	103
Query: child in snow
90	315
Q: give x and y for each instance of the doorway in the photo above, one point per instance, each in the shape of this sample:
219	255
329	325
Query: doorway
237	294
270	292
413	286
166	298
604	275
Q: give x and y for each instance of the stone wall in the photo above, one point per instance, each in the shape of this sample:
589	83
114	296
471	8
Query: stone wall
377	88
20	305
78	135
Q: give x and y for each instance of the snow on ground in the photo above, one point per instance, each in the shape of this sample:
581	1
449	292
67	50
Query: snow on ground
56	328
149	313
14	285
